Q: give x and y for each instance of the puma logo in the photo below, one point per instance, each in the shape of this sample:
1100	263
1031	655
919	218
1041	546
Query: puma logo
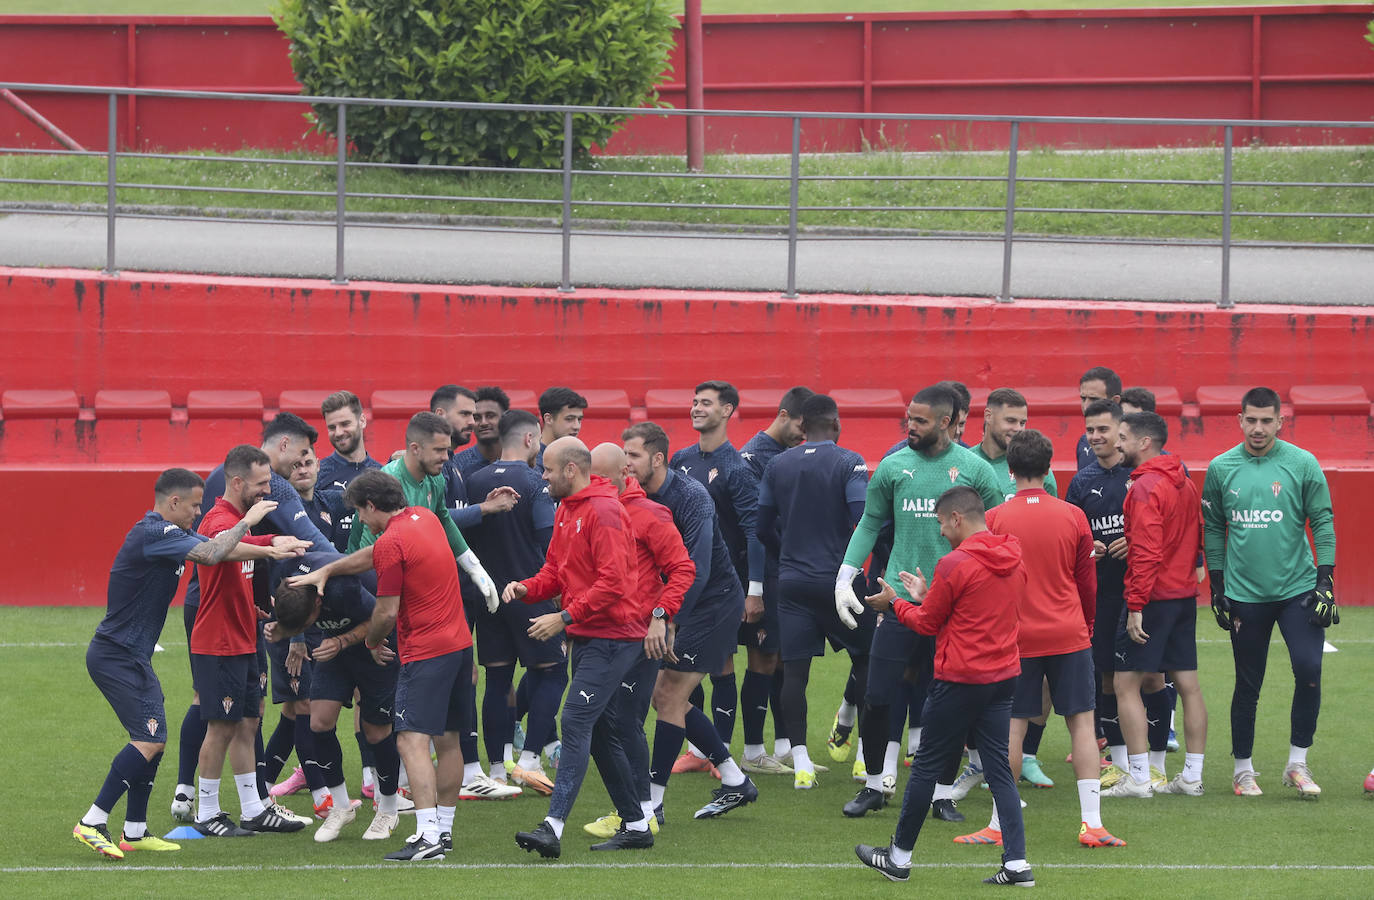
690	658
1097	491
629	687
586	696
909	473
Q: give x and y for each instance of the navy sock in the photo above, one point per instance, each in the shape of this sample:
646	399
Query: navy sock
724	705
853	695
522	695
329	757
875	726
896	721
775	703
1031	745
388	764
467	741
364	750
698	697
546	692
1157	708
496	732
279	746
1111	723
702	732
188	750
261	753
140	789
753	696
126	769
667	745
305	753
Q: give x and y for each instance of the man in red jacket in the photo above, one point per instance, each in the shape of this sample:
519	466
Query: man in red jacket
1163	522
1055	623
659	554
591	564
971	609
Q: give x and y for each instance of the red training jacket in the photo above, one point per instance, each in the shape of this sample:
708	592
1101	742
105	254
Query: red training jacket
1060	603
227	621
1163	520
659	551
971	609
591	562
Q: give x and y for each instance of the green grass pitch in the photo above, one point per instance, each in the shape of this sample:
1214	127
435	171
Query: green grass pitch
60	737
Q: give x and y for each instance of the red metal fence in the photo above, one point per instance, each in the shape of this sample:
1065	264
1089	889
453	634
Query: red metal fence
1282	62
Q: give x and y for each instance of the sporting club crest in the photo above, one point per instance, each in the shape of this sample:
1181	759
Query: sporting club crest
295	685
711	475
228	704
152	726
953	473
1276	487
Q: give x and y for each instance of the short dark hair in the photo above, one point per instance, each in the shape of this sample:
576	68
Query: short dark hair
1262	398
652	434
1029	454
819	412
1006	397
1110	407
1140	397
1104	375
291	425
724	389
445	395
493	394
961	394
338	400
379	488
961	499
1148	424
556	398
941	400
423	424
514	421
791	402
177	481
239	462
292	605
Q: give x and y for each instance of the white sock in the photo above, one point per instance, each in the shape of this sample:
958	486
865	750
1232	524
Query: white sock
250	804
995	823
135	829
753	751
859	752
890	758
208	807
1157	758
692	749
403	778
640	824
318	794
498	772
898	856
557	825
1119	756
913	740
529	761
445	816
1016	865
874	781
508	754
1090	802
975	759
781	747
1297	755
96	816
1192	767
340	794
943	792
730	775
388	803
846	714
427	824
1245	765
186	790
801	760
550	747
369	776
1139	767
470	771
647	807
656	792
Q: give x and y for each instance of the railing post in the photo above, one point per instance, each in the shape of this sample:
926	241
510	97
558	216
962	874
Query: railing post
111	155
340	191
1226	175
794	194
565	283
1010	223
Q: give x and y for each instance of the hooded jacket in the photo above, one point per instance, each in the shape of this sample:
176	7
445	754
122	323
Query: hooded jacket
1163	522
659	552
591	562
971	608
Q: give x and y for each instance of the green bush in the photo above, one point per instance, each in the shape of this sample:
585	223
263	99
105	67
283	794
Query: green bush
573	52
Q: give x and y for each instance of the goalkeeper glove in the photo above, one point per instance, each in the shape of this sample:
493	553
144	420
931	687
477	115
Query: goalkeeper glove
1323	600
1221	606
847	604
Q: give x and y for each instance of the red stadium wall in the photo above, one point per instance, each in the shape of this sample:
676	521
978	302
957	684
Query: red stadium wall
104	381
1294	62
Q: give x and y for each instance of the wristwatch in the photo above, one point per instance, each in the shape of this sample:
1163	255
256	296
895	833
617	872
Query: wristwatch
660	613
567	617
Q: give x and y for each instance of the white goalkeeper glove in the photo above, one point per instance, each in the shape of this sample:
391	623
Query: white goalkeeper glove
847	604
479	577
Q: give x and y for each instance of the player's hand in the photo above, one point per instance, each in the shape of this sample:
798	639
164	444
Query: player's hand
1134	630
656	641
258	511
915	585
546	626
1099	549
501	499
484	584
382	654
1322	601
296	657
753	608
514	591
328	649
847	606
1117	548
398	454
1221	604
318	578
881	601
669	639
269	632
285	546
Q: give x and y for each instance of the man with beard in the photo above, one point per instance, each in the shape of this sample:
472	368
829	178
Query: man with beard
344	422
490	404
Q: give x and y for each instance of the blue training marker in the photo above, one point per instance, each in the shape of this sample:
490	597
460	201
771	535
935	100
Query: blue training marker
182	833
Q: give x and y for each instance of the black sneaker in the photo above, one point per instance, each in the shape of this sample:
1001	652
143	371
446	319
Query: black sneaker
417	849
946	811
658	814
724	799
221	826
865	801
270	820
446	841
880	858
542	840
1023	878
624	839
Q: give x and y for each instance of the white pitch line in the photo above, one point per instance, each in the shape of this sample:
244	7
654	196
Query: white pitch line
525	867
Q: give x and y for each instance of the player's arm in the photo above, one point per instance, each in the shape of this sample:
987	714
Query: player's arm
744	496
1145	535
614	582
1051	486
383	621
698	534
877	511
219	548
290	517
938	603
1316	501
456	543
988	488
1085	571
1214	519
353	564
672	560
856	490
766	521
542	515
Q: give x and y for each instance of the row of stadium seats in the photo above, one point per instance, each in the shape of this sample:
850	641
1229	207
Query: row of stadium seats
146	427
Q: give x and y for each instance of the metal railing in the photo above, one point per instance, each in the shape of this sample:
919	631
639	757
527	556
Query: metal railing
793	233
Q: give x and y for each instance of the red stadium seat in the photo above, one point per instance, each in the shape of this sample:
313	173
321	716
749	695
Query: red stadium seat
41	427
224	405
1168	401
607	403
1329	399
883	403
1219	399
217	420
133	405
399	404
305	404
522	399
1051	401
55	404
133	426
